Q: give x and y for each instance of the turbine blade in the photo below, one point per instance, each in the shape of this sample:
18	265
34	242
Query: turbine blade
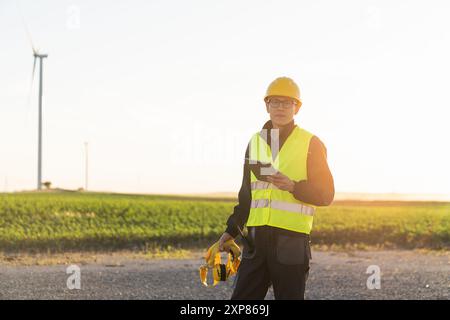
34	68
32	80
26	28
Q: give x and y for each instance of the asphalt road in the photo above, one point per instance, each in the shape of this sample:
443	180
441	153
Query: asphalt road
334	275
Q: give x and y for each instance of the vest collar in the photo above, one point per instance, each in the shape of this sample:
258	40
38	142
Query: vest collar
284	133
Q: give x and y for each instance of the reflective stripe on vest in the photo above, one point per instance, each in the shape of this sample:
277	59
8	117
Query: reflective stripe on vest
280	205
262	185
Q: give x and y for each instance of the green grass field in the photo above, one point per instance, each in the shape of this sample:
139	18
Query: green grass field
63	221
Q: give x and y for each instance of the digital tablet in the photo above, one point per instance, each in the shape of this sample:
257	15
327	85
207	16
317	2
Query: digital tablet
261	169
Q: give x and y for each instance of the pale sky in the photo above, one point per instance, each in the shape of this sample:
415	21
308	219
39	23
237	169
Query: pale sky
168	93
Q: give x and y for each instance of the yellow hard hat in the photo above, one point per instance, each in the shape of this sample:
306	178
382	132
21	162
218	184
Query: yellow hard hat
284	86
221	271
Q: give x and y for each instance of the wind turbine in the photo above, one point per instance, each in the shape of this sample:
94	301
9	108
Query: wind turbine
41	57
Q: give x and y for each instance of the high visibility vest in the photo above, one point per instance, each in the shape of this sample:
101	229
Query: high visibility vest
270	205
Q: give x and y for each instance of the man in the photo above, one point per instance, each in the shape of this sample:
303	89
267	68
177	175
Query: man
277	204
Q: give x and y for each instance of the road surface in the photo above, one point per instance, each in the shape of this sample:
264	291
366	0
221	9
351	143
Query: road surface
334	275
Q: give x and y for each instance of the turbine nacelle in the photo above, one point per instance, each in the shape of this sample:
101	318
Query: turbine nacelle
40	55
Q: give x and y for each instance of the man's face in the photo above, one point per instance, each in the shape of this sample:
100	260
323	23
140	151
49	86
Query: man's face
281	109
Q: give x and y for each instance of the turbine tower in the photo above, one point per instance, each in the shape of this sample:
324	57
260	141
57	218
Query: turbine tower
41	57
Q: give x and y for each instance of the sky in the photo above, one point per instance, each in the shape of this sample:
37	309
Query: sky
168	93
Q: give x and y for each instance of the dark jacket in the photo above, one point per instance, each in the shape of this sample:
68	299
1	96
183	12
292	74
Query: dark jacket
318	190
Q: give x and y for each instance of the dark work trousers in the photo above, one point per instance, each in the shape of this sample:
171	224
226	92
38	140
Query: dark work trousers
280	257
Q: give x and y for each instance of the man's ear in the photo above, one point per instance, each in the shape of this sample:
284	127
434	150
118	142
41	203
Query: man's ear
267	107
297	107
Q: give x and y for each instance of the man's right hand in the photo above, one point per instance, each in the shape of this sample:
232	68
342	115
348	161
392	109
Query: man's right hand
224	238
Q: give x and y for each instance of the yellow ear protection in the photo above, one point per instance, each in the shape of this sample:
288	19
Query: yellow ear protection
220	271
